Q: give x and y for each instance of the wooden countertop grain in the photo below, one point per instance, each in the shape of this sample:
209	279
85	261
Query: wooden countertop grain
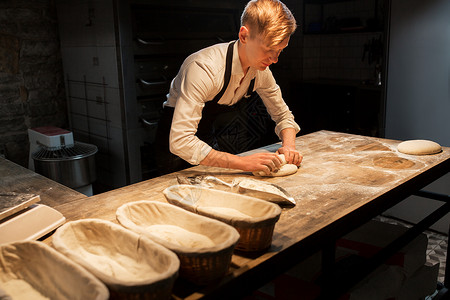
15	178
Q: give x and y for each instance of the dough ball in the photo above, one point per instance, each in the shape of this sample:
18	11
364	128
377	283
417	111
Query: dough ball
283	159
419	147
285	170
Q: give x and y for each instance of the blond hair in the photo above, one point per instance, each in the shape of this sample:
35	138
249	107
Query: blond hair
271	19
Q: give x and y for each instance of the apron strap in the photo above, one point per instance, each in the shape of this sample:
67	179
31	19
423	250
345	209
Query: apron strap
227	74
250	89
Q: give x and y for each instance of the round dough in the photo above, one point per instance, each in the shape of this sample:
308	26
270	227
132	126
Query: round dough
285	170
419	147
283	159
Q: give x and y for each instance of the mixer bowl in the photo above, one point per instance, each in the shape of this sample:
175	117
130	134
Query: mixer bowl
72	166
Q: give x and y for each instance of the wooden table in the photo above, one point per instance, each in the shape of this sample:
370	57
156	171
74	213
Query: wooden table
344	181
15	178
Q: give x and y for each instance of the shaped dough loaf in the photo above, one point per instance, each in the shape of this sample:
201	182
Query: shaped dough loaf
286	169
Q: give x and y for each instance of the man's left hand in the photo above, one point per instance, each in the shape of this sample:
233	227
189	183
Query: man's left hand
291	154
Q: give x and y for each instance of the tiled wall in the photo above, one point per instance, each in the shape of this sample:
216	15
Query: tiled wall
335	53
338	56
363	9
88	48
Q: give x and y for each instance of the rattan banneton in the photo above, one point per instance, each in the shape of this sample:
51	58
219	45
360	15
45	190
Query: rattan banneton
253	218
45	273
130	265
201	263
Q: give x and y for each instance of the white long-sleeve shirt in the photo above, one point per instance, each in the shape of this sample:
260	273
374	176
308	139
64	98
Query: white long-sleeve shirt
199	80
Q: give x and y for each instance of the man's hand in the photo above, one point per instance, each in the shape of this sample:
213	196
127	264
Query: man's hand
291	154
288	149
266	162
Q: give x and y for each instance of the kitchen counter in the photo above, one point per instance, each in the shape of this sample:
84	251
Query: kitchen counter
15	178
344	181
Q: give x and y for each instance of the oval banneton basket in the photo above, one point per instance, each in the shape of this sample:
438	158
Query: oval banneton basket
203	245
34	270
253	218
131	266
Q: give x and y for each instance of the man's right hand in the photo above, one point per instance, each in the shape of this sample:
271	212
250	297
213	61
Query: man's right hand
265	162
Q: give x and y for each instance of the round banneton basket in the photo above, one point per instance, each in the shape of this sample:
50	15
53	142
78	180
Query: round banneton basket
203	245
253	218
130	265
33	270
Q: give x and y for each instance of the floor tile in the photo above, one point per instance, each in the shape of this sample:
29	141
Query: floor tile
437	245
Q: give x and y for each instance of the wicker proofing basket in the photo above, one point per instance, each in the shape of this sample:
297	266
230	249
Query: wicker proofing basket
254	219
131	266
31	270
203	245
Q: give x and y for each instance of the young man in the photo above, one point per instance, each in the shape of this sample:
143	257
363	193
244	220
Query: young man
215	78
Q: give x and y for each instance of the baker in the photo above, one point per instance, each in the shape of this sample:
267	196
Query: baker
213	80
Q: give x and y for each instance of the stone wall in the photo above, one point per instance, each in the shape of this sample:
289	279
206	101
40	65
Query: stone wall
31	78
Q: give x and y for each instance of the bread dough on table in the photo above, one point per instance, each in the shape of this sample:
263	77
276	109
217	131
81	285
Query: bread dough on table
419	147
285	170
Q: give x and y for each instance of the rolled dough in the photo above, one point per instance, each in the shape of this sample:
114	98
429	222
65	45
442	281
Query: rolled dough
285	170
419	147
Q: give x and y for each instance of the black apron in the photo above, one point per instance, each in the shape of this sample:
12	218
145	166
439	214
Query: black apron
214	115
